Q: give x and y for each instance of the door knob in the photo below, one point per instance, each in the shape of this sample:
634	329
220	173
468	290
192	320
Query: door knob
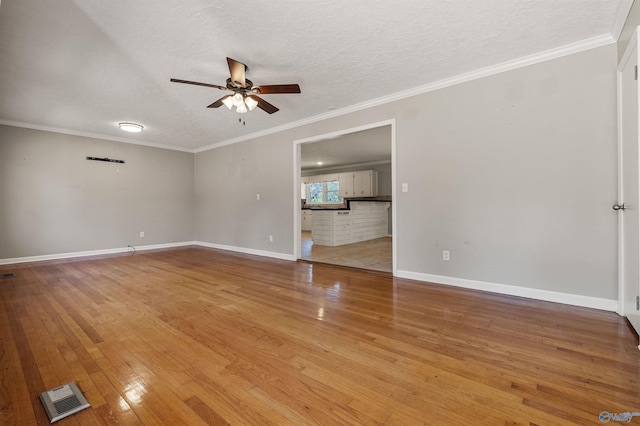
619	206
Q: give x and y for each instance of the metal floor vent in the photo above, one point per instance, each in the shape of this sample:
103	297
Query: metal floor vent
5	276
63	401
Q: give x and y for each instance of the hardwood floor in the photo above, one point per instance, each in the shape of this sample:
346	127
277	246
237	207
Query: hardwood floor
202	336
375	255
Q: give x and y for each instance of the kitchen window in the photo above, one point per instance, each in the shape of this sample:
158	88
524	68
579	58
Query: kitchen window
324	192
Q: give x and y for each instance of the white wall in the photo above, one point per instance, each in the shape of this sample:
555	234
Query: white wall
514	173
54	201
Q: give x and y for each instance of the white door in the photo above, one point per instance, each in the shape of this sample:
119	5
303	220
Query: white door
628	186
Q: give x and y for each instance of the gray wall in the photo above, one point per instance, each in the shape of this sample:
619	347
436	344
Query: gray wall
54	201
227	181
515	174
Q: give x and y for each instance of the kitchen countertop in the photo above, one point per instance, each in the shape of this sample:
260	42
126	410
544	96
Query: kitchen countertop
381	199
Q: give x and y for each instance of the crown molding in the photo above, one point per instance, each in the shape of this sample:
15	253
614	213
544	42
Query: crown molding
547	55
92	135
544	56
622	12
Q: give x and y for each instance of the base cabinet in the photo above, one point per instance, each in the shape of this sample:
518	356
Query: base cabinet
331	228
365	220
306	220
369	221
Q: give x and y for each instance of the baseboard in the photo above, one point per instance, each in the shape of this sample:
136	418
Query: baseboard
531	293
511	290
92	253
245	250
143	248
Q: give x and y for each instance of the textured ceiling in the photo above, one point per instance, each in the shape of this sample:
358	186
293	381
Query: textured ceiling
83	66
367	146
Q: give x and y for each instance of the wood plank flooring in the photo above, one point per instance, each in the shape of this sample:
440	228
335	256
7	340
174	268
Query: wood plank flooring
200	336
374	255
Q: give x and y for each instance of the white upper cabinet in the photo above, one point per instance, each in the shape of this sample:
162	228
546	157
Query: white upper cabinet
352	184
359	184
365	183
346	184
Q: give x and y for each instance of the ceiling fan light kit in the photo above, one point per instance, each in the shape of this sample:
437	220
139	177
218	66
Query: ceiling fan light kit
250	102
244	96
238	100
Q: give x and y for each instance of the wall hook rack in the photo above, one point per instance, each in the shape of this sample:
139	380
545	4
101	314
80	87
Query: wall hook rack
110	160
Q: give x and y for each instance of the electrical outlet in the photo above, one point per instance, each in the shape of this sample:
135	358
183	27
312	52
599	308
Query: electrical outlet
405	187
257	196
445	255
141	234
270	238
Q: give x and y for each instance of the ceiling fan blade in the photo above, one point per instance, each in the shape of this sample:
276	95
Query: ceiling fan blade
237	71
278	88
219	102
264	105
215	86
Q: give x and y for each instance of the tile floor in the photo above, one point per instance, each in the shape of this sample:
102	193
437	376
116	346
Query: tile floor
373	254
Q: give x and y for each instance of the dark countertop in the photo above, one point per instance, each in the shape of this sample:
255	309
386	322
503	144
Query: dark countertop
326	208
382	199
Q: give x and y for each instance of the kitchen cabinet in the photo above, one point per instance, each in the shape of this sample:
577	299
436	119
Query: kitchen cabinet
331	228
366	220
306	220
369	220
346	184
362	183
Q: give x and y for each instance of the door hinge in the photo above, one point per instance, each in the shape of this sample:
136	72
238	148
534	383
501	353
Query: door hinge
637	303
635	73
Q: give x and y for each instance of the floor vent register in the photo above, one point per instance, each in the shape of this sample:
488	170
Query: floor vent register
63	401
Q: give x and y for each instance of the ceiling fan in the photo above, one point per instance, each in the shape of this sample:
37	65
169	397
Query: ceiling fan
245	94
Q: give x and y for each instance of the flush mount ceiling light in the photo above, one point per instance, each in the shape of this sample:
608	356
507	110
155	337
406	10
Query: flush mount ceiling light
131	127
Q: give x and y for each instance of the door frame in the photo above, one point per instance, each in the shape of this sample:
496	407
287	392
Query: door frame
297	180
623	63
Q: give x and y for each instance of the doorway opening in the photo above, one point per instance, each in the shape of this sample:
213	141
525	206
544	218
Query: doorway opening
356	228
